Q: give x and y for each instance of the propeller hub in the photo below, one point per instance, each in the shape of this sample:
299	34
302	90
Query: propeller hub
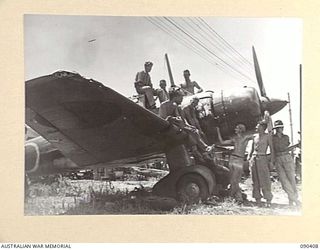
272	105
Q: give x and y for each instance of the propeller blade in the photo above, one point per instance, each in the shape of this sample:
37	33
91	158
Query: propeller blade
258	74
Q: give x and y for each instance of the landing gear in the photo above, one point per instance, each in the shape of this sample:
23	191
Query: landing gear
186	182
192	188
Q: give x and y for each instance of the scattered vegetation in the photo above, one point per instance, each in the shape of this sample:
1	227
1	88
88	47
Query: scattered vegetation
63	196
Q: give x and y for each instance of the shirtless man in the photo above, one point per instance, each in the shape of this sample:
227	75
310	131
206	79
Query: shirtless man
236	160
162	92
260	166
188	86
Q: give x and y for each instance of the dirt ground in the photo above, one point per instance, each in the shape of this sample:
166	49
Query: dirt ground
71	197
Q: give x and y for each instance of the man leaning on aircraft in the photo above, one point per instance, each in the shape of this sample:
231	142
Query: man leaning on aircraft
236	160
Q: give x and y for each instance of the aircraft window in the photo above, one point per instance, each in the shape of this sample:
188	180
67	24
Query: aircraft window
94	114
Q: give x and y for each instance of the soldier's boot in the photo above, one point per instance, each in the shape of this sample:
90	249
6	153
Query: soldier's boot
258	202
268	205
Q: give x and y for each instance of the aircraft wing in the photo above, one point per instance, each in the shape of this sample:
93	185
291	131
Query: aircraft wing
89	122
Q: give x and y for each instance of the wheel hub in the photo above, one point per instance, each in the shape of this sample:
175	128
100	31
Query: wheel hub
192	190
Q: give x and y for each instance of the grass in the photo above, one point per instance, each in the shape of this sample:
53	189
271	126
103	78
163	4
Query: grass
87	197
65	196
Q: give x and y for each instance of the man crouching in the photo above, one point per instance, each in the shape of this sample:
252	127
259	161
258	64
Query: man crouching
171	111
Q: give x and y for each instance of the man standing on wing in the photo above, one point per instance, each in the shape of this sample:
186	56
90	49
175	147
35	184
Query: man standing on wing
188	86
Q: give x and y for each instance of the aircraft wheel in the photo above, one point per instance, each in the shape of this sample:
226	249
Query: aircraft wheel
192	188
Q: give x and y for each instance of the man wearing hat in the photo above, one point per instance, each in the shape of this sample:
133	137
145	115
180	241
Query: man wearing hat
144	86
284	163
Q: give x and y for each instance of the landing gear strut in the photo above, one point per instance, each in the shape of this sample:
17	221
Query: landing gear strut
185	182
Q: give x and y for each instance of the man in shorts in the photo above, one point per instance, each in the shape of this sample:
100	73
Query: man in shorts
236	160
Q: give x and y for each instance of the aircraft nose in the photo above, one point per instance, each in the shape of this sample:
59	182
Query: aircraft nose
274	105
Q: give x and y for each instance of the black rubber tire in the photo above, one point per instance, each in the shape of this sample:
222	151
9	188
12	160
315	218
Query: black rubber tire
192	188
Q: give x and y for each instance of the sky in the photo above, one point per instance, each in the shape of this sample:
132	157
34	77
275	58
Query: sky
122	44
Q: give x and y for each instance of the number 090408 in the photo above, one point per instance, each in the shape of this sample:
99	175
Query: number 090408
308	246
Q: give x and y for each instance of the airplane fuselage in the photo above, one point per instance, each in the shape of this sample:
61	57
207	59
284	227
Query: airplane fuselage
226	109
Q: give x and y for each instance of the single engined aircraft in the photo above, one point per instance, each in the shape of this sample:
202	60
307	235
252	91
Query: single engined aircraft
84	124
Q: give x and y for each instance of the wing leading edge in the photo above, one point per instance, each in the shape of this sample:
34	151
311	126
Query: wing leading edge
89	122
